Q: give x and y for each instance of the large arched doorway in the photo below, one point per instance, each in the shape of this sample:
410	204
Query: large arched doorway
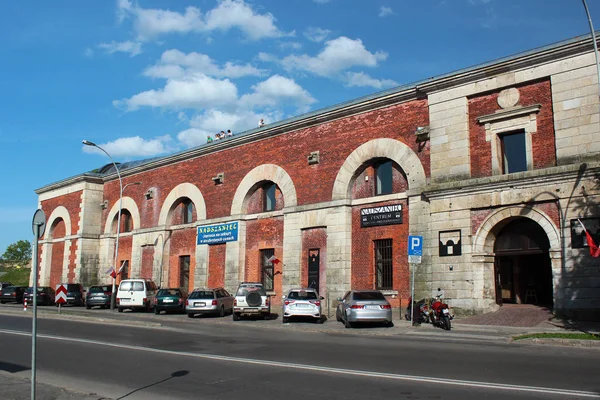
522	264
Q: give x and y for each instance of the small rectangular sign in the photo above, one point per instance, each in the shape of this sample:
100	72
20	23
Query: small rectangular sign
414	259
215	234
383	215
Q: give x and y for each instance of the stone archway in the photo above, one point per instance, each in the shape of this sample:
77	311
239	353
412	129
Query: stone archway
129	205
393	149
183	190
55	251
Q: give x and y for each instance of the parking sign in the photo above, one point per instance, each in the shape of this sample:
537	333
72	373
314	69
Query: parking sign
415	249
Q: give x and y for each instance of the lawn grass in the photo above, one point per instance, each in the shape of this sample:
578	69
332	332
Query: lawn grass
18	277
577	336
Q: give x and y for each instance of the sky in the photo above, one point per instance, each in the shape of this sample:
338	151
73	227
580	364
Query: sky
147	78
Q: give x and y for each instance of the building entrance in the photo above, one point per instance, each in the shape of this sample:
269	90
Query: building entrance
522	265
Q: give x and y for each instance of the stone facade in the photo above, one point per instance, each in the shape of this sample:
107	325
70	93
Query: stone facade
446	140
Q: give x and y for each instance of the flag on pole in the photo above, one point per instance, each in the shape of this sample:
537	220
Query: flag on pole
111	272
121	269
594	249
274	260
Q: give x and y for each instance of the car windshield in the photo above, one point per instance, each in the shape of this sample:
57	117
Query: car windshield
244	290
202	294
169	292
302	295
368	296
99	289
135	286
72	288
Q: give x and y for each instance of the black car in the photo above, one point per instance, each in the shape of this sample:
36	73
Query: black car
98	296
75	294
5	284
171	299
11	294
45	296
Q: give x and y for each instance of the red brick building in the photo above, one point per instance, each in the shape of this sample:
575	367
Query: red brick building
489	165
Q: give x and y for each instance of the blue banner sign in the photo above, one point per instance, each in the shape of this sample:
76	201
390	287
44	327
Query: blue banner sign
221	233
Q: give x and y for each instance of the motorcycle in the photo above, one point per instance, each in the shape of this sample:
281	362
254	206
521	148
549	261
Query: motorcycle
420	311
439	314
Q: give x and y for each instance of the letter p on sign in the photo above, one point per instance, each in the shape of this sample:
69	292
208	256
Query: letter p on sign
415	245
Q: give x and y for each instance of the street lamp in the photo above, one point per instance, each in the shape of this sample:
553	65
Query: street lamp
121	188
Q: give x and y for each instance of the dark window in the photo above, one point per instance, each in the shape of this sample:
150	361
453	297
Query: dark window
126	221
513	153
169	292
368	296
125	270
302	295
267	268
202	294
269	200
184	271
383	264
383	178
187	210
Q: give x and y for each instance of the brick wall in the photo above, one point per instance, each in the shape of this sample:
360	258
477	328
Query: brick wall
147	260
543	141
216	265
549	208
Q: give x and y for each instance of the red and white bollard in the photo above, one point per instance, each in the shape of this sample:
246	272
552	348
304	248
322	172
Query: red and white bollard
25	304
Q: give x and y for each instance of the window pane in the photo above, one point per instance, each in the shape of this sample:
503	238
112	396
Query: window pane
384	178
269	197
513	148
184	271
383	264
187	210
267	268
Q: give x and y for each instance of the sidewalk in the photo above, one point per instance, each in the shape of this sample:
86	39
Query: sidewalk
17	388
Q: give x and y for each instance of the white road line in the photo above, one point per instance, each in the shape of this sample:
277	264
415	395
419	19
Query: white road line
316	368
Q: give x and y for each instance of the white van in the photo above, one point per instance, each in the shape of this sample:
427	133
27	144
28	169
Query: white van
136	293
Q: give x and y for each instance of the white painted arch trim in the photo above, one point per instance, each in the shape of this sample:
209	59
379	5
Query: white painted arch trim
393	149
58	212
129	205
183	190
265	172
486	235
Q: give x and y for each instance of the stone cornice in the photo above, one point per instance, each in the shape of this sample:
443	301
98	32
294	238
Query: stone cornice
70	181
509	113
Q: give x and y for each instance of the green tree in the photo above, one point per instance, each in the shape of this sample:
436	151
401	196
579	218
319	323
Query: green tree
19	252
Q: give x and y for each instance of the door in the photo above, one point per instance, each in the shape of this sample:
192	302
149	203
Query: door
505	274
184	272
314	268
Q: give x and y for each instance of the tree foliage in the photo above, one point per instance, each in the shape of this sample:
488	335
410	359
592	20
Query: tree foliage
19	252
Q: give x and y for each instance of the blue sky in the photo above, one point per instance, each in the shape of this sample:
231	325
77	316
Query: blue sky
148	78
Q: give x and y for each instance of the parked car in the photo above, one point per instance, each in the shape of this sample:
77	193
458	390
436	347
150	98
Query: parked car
171	299
136	294
209	301
11	294
5	284
75	294
45	295
251	299
302	303
364	306
98	296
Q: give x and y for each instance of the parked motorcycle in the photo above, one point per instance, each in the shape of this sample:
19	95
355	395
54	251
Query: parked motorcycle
439	313
420	311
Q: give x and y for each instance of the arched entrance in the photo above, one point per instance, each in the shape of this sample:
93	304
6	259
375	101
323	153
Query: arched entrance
522	264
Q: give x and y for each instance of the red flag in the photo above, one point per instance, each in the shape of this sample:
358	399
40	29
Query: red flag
111	271
274	260
594	249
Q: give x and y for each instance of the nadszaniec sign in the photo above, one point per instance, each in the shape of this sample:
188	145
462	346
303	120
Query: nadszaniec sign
383	215
221	233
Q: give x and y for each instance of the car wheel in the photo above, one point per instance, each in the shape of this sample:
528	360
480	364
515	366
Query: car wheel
156	311
347	323
320	320
88	307
120	309
389	324
284	320
2	302
190	315
222	312
236	316
337	316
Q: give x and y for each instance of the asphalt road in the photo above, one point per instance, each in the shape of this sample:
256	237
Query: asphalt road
240	361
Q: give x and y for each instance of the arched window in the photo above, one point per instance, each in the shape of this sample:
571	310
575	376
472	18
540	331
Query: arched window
126	221
383	178
187	211
269	199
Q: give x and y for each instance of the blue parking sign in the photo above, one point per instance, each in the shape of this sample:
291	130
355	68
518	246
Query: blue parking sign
415	245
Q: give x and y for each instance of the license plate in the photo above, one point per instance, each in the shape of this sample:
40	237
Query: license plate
445	311
199	304
125	300
167	301
372	307
97	296
70	298
301	305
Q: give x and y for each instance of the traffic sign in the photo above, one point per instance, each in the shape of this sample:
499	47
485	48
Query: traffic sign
61	294
415	245
39	223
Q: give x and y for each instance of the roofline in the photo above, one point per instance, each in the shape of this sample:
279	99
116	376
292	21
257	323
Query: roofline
412	91
85	177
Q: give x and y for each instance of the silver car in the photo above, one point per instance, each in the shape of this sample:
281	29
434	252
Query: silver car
363	306
302	303
209	301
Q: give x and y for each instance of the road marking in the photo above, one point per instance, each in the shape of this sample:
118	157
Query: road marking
316	368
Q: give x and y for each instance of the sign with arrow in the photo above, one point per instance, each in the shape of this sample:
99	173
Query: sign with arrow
61	294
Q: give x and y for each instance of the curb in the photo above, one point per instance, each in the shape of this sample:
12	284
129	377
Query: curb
590	344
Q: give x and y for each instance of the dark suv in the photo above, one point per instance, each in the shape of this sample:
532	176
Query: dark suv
75	294
45	295
12	294
98	296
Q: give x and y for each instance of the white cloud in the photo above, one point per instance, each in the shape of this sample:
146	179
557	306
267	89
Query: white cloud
198	91
213	121
339	54
385	11
135	146
132	48
175	64
276	90
315	34
88	52
362	79
228	14
289	45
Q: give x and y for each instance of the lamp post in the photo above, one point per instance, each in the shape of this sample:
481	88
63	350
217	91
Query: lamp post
121	188
589	17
